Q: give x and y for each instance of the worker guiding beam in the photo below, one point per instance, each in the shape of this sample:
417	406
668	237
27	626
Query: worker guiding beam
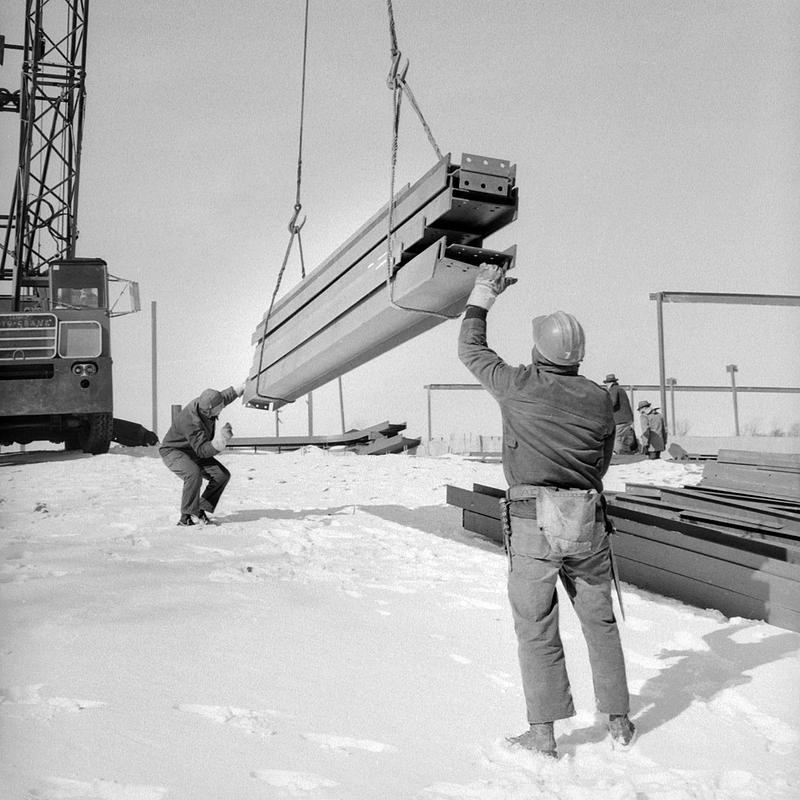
558	438
189	449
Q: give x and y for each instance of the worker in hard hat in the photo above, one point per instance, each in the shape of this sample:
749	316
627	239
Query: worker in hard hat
654	431
189	448
558	438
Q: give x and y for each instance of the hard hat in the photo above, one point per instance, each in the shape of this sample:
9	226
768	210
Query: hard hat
559	337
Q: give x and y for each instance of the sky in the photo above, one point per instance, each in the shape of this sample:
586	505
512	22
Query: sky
656	150
339	636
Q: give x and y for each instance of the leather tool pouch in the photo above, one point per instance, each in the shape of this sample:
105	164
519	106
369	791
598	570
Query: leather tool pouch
567	518
552	523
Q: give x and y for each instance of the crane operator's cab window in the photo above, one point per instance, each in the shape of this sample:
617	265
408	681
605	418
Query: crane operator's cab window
78	285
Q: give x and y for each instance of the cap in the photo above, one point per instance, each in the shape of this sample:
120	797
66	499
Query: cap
210	399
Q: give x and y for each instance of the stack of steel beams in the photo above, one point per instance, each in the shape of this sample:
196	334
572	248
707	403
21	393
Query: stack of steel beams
380	439
731	543
347	311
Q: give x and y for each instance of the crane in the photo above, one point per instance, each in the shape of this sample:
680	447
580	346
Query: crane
55	354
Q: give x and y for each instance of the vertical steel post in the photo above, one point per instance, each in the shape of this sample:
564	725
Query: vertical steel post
174	411
671	383
154	364
277	422
662	372
341	402
430	435
733	369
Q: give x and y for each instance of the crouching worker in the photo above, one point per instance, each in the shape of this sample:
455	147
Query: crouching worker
558	438
189	447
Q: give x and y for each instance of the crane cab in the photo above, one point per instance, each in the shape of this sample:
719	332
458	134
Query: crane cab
55	359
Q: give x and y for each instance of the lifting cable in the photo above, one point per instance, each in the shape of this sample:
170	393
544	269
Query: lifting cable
396	81
294	226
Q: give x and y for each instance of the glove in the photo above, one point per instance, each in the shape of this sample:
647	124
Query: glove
222	437
490	281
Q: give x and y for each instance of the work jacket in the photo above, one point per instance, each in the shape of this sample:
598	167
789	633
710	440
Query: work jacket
193	429
558	426
654	432
620	404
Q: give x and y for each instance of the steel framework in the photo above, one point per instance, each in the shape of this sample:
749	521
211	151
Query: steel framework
630	387
43	218
707	297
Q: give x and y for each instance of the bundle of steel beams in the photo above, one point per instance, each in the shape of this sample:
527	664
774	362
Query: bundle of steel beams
731	543
353	307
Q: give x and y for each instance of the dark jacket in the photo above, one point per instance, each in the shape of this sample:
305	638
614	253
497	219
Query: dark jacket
193	428
620	404
558	427
654	432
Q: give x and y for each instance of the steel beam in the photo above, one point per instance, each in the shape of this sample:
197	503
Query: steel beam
728	298
347	311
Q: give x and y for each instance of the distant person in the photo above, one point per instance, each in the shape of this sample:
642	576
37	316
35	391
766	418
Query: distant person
654	432
558	438
189	447
625	438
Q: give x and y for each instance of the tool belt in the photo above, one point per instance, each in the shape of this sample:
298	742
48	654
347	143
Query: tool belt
547	522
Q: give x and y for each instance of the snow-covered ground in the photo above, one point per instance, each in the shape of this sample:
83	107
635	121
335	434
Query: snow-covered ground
338	636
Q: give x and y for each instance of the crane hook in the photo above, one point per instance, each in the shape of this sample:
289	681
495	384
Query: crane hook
397	73
293	226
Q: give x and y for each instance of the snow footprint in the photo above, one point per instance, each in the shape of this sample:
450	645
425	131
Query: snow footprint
463	601
503	680
781	737
253	722
25	701
68	789
346	744
296	784
214	551
17	573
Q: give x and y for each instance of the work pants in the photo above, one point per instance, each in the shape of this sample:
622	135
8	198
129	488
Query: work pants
192	470
534	604
625	438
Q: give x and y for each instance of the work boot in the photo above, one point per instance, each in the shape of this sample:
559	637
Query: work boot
202	518
186	519
622	730
539	738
